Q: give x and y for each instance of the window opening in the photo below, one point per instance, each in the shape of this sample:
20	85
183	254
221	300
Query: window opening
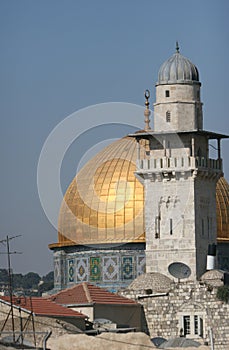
168	116
200	330
186	325
171	226
196	324
157	227
192	325
167	93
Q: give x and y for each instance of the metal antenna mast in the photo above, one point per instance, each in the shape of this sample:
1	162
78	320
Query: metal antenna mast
8	252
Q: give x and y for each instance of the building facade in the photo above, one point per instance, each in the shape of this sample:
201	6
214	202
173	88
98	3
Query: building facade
178	175
118	220
188	309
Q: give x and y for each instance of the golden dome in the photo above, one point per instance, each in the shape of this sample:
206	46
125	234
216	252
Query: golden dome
222	210
105	201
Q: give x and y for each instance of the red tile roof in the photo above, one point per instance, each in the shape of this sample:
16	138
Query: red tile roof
43	307
86	293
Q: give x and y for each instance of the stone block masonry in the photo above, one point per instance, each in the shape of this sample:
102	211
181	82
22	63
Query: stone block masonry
189	309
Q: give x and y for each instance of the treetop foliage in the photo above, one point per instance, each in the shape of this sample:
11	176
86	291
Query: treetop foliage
30	280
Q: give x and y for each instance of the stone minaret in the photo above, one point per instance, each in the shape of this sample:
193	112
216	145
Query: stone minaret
179	177
178	106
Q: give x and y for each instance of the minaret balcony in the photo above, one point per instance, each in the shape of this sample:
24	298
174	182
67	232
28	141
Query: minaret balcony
185	163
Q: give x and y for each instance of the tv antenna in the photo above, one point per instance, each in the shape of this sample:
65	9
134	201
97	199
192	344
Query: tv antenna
6	242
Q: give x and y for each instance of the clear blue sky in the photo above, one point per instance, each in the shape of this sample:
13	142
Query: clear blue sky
60	56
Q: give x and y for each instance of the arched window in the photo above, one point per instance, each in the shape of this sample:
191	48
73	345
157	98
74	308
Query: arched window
168	116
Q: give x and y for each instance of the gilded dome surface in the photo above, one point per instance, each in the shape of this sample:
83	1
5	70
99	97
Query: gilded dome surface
222	210
105	202
177	69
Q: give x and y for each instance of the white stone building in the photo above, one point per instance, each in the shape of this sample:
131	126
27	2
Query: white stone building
153	202
178	175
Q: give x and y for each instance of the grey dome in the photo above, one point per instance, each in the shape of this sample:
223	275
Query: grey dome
153	280
213	278
178	69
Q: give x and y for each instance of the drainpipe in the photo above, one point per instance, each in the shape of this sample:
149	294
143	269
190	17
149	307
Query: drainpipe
47	335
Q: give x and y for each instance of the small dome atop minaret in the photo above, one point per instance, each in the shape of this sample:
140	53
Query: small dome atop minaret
178	69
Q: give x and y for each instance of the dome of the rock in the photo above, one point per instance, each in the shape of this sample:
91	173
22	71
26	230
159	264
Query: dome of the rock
146	200
105	202
222	210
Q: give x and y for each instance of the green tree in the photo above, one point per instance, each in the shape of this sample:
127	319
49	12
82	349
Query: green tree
47	283
223	293
4	277
30	280
49	277
45	287
17	280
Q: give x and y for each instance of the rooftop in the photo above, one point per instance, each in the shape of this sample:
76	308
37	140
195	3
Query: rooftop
86	293
42	307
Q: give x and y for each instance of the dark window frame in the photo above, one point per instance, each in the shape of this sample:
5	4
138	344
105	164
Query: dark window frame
168	116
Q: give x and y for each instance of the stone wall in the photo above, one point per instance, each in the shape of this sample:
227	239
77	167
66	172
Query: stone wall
184	105
165	312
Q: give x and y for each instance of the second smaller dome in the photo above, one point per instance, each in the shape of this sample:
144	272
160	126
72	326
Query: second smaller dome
177	69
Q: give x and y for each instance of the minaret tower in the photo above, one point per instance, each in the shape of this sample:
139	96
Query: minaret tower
178	106
179	177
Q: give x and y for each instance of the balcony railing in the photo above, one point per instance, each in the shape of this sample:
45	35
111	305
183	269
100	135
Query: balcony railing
176	163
